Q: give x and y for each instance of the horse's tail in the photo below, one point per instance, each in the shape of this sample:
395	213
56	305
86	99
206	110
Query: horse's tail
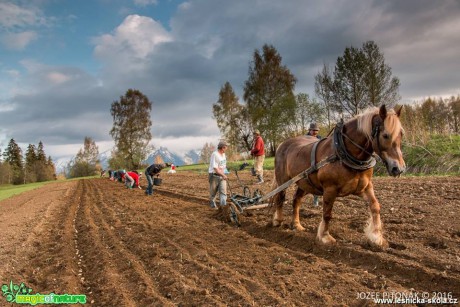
273	200
277	200
274	186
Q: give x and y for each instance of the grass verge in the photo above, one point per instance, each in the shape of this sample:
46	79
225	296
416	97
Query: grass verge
6	191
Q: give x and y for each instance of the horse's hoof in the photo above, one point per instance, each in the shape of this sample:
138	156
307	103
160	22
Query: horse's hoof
326	240
376	239
297	227
381	244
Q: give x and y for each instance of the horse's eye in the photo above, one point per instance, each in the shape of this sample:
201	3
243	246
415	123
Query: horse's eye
386	136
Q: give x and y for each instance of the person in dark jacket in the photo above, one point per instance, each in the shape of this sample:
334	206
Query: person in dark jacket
152	171
313	132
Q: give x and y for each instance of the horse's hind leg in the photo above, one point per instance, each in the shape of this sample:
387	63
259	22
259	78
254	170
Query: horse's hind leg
278	202
295	224
373	229
323	235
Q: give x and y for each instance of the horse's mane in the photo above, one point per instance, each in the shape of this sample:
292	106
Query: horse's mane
392	123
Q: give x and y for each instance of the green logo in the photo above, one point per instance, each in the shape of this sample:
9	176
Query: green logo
21	294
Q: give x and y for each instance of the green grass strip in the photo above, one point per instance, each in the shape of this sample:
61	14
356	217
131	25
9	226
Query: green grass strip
7	191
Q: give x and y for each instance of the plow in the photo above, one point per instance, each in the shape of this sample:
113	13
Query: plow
256	200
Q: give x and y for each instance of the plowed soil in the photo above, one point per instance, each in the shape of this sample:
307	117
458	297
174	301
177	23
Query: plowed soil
123	248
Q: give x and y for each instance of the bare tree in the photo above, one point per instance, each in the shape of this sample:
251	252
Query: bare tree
324	90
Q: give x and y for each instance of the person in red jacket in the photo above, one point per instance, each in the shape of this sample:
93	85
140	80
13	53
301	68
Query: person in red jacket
132	179
258	152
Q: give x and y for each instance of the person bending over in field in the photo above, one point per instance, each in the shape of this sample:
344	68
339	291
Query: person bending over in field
132	179
152	171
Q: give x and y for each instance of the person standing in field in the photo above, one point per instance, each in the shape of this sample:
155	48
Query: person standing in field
217	177
258	152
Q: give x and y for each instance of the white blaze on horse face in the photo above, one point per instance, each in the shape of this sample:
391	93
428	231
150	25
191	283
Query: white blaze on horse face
390	148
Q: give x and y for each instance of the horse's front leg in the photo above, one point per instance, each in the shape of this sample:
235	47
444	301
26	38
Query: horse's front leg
373	229
323	235
295	223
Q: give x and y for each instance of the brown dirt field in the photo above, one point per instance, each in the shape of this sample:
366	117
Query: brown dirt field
123	248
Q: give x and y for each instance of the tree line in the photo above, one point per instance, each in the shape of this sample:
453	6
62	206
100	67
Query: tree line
431	116
359	79
15	168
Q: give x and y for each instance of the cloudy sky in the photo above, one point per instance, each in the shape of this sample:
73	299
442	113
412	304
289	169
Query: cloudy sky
63	62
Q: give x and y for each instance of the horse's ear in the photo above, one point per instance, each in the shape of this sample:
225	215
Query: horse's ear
398	111
383	112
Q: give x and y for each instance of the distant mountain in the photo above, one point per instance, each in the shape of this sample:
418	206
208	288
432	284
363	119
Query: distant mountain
61	164
104	158
192	157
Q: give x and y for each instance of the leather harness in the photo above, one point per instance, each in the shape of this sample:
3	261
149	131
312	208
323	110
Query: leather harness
341	154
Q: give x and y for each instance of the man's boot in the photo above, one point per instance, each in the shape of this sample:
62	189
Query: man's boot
261	179
315	201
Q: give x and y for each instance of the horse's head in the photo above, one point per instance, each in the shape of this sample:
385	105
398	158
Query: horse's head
387	134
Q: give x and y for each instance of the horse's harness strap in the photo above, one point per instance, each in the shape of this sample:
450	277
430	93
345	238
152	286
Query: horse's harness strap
344	156
305	174
313	155
315	167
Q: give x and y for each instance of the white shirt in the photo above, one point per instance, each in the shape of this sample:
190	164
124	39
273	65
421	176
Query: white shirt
217	161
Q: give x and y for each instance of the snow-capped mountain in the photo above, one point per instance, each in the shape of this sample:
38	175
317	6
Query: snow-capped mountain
192	157
104	158
61	164
166	155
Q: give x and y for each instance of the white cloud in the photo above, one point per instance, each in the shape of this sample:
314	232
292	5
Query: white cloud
137	36
13	73
185	5
6	107
209	46
19	41
57	77
32	66
12	15
145	2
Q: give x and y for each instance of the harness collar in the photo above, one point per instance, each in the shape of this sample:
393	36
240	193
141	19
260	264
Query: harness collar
345	157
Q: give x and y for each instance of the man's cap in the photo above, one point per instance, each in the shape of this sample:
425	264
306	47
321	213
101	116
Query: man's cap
313	126
256	131
222	144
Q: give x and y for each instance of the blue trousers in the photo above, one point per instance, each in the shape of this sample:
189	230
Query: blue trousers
149	190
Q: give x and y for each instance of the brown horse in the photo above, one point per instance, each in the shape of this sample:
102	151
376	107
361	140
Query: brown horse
340	165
